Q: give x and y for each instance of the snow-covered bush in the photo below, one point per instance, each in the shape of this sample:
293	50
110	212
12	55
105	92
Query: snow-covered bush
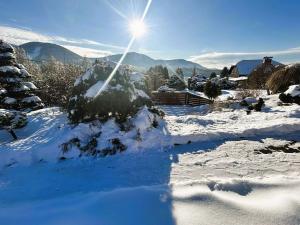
292	95
142	131
176	82
252	104
16	91
11	119
224	83
197	82
119	99
257	107
121	114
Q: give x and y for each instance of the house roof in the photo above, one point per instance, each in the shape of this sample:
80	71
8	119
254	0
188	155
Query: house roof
245	67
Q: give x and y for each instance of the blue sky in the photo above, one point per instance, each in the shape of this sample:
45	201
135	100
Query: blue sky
213	33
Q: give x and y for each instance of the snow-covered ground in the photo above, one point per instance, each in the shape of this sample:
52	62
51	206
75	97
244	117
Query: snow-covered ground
200	124
223	177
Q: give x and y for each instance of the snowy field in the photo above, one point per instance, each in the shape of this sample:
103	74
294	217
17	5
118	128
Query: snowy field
239	169
202	124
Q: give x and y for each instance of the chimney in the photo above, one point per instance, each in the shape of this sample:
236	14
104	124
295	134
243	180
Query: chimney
267	60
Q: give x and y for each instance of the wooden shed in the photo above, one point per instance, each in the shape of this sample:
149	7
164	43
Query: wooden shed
185	97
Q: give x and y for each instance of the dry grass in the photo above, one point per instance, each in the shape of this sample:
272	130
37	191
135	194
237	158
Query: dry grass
284	77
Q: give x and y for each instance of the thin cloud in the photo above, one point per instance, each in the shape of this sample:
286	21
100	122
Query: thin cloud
90	42
221	59
88	52
20	36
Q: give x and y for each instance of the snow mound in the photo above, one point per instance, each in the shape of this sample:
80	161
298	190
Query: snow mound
294	90
48	130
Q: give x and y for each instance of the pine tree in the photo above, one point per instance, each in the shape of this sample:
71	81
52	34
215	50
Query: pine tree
166	73
224	72
179	72
156	77
212	90
194	73
212	75
16	91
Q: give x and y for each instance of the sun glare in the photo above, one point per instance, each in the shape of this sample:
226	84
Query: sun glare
137	28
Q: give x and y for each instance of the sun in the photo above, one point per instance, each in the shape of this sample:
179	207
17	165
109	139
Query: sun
137	28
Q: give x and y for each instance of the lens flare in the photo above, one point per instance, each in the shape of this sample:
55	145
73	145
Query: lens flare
124	54
137	28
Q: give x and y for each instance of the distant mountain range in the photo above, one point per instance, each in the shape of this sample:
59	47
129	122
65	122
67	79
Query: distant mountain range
39	51
144	61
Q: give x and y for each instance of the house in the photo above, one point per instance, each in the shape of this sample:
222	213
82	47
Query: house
245	67
185	97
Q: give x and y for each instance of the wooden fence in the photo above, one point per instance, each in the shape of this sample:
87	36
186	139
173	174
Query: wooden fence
178	98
